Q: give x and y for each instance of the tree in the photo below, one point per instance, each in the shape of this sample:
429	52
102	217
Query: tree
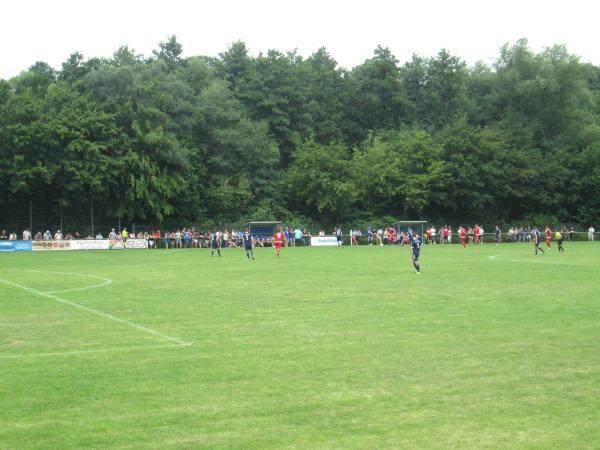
318	183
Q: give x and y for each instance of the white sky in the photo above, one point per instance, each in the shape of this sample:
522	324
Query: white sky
50	30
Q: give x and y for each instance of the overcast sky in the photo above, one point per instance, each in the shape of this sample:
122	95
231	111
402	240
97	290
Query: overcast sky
50	30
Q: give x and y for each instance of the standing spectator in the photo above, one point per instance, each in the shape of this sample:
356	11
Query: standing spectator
26	235
47	236
287	236
38	236
297	235
369	235
58	236
591	232
306	236
3	236
178	239
12	237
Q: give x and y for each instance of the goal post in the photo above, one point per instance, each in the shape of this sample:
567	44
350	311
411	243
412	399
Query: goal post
263	229
411	225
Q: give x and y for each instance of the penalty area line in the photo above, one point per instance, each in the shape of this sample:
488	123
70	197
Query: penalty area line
98	313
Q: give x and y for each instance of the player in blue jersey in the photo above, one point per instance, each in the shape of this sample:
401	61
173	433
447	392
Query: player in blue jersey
215	243
338	236
415	243
536	237
247	238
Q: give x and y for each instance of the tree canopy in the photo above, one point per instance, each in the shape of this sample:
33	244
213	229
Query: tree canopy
193	140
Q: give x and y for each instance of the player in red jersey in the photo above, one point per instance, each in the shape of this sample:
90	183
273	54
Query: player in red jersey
548	236
476	232
463	236
278	240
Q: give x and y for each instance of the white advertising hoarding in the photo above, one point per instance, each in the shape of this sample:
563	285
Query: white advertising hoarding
131	244
322	241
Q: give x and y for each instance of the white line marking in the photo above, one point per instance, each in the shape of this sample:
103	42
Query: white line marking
95	311
105	281
91	351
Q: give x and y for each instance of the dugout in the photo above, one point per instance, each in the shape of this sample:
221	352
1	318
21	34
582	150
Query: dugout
412	225
263	230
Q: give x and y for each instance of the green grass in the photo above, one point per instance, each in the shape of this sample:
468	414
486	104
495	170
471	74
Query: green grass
321	348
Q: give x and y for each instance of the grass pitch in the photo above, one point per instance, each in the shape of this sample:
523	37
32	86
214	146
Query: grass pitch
320	348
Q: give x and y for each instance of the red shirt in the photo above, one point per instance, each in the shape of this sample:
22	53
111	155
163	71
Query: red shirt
278	236
476	231
548	234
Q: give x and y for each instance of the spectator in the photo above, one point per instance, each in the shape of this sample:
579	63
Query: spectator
379	237
297	236
99	236
3	236
306	236
38	236
58	236
12	237
591	232
27	235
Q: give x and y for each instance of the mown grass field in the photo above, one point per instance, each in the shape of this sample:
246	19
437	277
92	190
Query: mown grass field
490	347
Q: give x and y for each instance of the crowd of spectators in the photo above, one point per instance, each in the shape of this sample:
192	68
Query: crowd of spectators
192	238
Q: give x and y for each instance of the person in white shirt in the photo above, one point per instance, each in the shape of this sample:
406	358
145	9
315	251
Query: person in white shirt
26	235
591	232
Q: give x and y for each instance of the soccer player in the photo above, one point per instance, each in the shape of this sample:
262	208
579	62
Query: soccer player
338	236
463	236
415	243
536	236
498	235
247	238
278	240
476	232
548	236
215	244
559	241
125	235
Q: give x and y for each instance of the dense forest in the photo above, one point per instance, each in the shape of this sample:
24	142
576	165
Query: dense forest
203	140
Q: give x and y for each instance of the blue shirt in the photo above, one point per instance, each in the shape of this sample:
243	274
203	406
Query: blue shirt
415	244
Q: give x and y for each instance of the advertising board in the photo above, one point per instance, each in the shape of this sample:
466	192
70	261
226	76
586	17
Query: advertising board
15	246
322	241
